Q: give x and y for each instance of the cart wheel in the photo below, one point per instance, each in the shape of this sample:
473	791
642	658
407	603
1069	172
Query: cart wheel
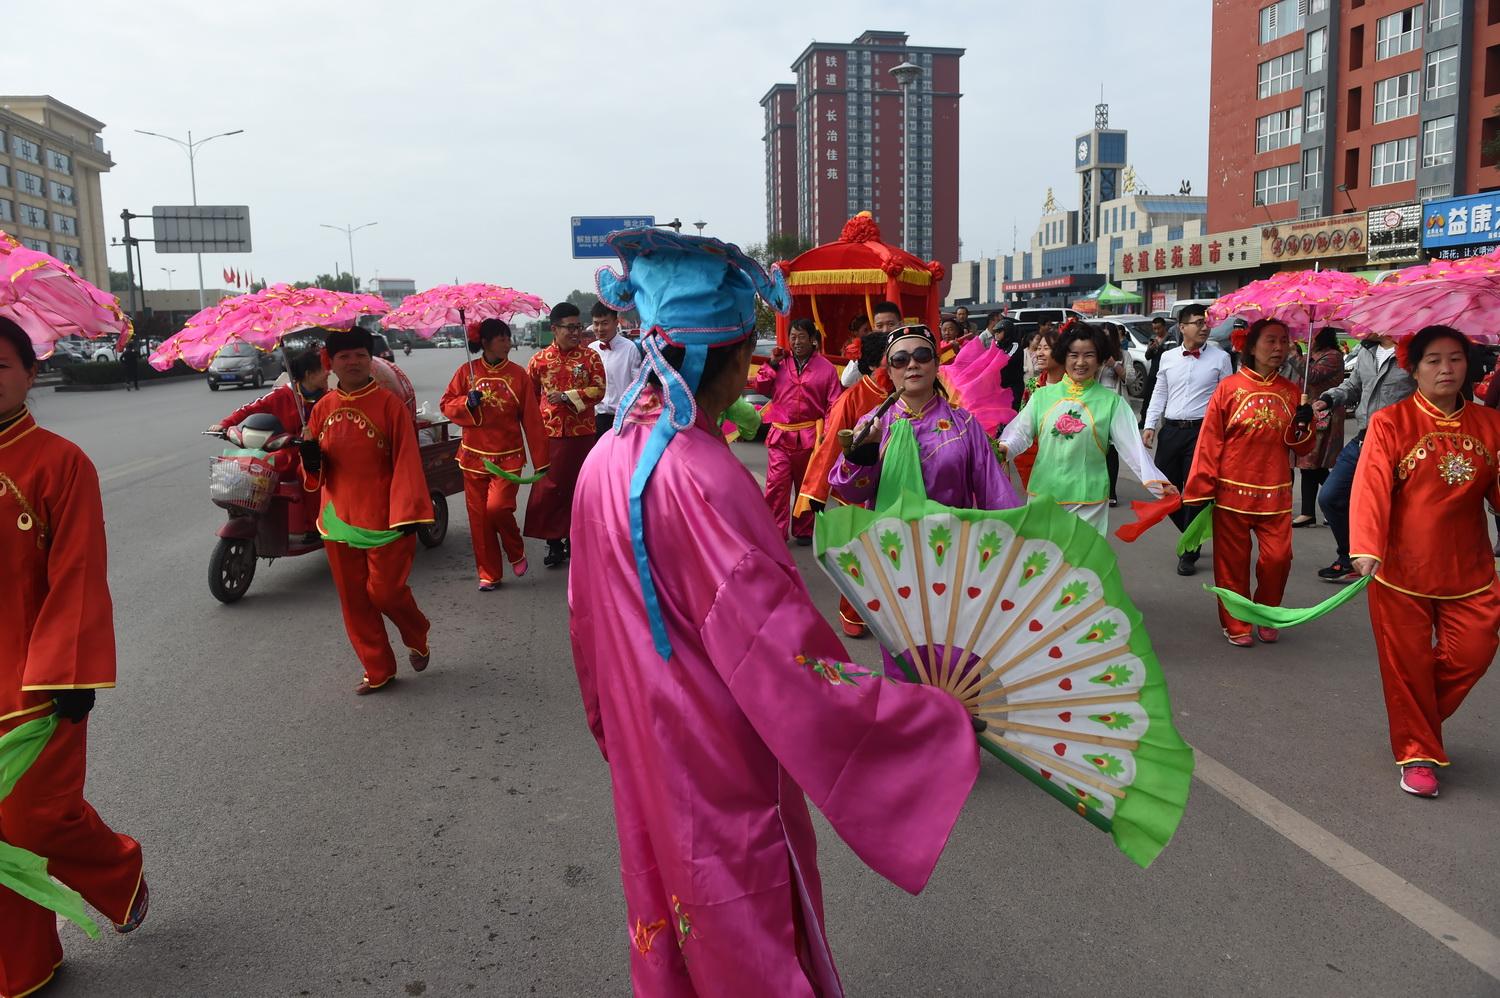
432	534
231	568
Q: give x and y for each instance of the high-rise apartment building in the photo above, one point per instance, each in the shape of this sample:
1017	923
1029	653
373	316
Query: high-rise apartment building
1326	107
51	156
834	143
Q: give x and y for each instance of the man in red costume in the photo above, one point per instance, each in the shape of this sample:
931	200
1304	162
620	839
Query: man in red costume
492	399
1255	420
57	646
802	387
360	448
568	379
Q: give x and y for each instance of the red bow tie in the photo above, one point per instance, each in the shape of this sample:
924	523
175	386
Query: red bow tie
603	344
1191	353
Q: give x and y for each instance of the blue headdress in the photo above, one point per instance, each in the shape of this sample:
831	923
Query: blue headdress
691	292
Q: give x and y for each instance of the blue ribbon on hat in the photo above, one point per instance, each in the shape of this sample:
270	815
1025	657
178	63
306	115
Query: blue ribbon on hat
693	292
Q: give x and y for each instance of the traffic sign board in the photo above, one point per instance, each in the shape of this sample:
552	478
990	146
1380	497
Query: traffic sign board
201	228
589	232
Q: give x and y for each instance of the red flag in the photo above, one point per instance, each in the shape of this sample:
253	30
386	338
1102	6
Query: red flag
1147	515
237	282
227	278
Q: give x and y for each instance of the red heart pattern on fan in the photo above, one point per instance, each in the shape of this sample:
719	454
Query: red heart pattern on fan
874	605
1066	684
1035	625
1054	652
1007	605
939	588
974	592
1046	775
904	592
1066	717
1061	748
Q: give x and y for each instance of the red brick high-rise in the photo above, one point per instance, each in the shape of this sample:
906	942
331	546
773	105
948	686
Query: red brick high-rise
834	143
1322	107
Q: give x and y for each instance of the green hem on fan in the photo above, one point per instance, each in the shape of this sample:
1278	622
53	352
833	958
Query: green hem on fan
1281	617
1198	531
336	530
21	870
511	476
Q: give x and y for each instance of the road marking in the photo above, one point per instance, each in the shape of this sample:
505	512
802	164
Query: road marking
135	467
1421	909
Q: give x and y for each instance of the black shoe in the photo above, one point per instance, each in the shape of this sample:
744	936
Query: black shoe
1113	502
567	549
803	542
1338	573
1187	564
556	553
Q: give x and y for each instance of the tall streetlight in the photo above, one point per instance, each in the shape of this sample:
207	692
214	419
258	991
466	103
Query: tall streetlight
349	231
906	74
191	148
169	271
700	226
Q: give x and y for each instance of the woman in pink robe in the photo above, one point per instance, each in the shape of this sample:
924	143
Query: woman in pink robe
712	750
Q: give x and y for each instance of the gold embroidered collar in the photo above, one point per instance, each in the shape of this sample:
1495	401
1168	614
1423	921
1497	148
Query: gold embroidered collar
360	392
1442	418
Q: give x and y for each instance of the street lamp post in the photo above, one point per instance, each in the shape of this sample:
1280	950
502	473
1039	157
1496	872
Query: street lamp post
906	74
169	271
191	147
700	226
349	231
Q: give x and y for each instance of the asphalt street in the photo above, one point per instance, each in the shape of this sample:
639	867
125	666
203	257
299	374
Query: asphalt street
454	835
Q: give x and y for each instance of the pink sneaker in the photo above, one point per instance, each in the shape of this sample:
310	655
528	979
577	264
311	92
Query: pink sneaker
520	567
1420	780
1267	635
1240	640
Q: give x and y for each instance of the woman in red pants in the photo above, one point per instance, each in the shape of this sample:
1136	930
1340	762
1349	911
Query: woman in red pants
57	647
492	399
1254	424
1418	525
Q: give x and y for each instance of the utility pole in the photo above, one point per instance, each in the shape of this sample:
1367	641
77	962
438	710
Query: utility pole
191	148
349	231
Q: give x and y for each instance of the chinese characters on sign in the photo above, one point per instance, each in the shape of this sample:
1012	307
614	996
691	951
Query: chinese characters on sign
1459	227
1342	235
1218	251
1395	233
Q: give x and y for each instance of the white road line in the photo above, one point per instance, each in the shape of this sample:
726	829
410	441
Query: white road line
1421	909
135	467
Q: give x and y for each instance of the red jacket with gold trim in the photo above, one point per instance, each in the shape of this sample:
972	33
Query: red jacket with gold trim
1243	462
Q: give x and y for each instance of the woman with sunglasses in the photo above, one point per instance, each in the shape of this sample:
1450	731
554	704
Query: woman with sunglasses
958	465
1074	422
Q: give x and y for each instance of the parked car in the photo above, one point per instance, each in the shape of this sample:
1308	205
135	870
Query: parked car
1137	340
1041	315
76	349
447	341
242	364
382	348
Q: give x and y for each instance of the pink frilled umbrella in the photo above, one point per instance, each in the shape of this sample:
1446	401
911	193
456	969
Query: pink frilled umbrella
44	296
457	304
1302	299
1467	301
261	319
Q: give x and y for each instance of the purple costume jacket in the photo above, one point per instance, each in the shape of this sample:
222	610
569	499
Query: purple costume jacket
958	466
710	753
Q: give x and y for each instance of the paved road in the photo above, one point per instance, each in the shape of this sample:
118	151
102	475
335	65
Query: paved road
455	836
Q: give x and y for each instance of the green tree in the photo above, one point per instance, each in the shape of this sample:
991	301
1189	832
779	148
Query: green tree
119	281
781	246
342	282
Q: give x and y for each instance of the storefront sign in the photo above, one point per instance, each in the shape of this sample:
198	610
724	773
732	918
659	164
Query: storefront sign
1314	239
1040	284
1459	227
1395	233
1200	254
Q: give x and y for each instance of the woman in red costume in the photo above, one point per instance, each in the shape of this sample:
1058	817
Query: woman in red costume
1417	523
492	399
57	647
1254	424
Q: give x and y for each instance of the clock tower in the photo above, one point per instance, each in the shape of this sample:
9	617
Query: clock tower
1098	158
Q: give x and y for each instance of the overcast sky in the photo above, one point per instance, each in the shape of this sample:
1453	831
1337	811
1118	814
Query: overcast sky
472	131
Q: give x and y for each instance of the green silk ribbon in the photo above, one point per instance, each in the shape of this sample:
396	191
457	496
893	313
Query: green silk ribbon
511	476
1284	616
744	416
1200	530
334	529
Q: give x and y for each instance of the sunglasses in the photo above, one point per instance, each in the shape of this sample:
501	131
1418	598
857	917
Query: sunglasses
922	355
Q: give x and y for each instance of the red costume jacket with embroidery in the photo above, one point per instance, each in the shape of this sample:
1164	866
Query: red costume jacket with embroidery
578	374
279	402
508	411
57	631
798	398
860	400
1419	493
1242	461
372	469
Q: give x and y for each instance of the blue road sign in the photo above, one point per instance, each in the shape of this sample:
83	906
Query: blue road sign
589	232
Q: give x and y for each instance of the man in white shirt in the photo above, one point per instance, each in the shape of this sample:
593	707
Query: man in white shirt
622	361
1187	379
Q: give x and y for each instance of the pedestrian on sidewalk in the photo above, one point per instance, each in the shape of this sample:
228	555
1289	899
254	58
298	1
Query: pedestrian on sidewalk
1428	466
716	691
1325	370
57	648
1376	382
568	380
360	447
1188	377
492	399
802	386
130	363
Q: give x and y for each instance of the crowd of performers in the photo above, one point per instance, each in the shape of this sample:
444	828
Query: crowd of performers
677	555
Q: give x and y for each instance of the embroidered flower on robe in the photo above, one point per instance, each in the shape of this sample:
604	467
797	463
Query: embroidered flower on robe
1068	424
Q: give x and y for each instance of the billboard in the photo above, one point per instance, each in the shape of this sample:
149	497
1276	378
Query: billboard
1395	233
1236	250
201	228
1313	239
589	232
1458	227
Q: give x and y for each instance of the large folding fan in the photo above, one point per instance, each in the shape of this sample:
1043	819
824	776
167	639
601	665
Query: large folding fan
1020	614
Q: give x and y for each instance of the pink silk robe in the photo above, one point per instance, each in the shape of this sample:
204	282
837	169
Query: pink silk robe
711	753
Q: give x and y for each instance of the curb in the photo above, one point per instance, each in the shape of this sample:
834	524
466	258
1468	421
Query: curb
117	385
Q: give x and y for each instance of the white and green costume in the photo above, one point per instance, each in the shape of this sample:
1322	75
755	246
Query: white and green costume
1073	426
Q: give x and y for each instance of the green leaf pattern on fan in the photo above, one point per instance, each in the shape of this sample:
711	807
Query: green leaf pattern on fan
849	564
939	538
890	542
989	547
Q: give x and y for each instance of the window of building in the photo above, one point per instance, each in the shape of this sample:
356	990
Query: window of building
59	162
1357	46
1281	18
1278	130
61	193
4	176
1276	185
1393	162
1313	107
40	245
1317	50
69	255
1400	32
1309	211
1442	72
1435	192
1278	75
66	224
7	211
1395	97
1317	6
25	149
1312	168
1437	141
33	216
1443	13
30	183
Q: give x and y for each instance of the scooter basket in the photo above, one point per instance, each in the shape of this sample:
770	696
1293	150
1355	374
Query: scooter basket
244	483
